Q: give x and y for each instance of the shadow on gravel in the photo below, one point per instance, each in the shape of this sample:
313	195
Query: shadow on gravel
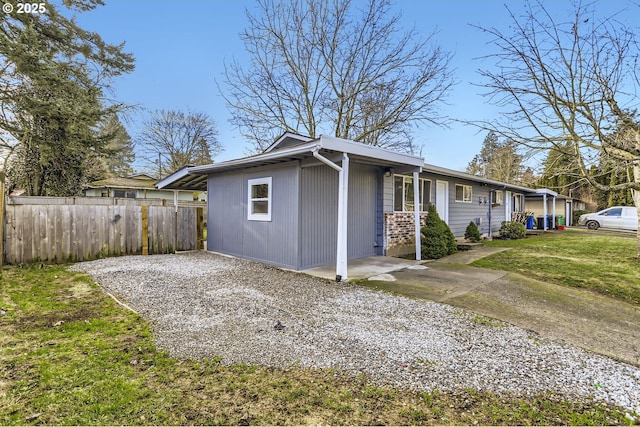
580	317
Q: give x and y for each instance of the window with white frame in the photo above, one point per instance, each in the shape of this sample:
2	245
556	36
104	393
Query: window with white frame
403	193
463	193
518	203
497	198
259	202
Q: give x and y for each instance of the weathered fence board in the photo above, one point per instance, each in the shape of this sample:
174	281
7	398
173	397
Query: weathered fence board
42	229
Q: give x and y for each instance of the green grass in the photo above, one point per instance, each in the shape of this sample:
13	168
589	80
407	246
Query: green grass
69	355
605	263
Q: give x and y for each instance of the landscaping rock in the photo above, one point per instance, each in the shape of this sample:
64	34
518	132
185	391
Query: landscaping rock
203	305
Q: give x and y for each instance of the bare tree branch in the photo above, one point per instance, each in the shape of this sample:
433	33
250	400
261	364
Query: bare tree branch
337	67
569	86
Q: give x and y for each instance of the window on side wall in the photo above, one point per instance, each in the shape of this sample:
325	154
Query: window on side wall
403	193
463	193
259	201
497	198
518	203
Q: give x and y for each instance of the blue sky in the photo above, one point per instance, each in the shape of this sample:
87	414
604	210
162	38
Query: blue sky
180	48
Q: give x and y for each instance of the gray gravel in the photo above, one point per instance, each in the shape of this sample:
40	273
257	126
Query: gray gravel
203	305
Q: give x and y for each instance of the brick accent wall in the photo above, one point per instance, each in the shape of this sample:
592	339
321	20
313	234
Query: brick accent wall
399	237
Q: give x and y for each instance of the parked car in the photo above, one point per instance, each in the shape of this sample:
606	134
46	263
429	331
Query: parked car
620	217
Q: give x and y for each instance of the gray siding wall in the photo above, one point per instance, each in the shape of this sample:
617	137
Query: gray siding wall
319	214
461	213
229	231
363	218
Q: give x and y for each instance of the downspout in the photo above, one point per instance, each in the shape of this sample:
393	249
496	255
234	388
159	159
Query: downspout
490	212
343	202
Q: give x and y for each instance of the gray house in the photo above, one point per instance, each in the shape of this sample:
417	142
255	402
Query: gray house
302	203
308	202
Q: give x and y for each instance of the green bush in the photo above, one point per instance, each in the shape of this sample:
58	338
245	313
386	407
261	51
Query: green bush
472	233
437	239
512	230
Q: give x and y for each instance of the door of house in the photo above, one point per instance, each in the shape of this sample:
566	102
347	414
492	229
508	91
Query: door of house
442	200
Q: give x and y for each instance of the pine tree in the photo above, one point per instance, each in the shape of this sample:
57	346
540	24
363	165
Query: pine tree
53	77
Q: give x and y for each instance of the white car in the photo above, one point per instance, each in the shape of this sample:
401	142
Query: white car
620	217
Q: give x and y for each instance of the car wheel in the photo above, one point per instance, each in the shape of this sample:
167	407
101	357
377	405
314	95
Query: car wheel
593	225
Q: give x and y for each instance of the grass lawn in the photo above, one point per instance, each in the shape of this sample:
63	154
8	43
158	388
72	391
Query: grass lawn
69	355
603	262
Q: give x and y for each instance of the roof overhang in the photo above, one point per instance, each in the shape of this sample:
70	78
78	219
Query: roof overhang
194	178
498	185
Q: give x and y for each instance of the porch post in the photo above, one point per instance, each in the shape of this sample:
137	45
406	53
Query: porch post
553	211
416	213
544	211
343	203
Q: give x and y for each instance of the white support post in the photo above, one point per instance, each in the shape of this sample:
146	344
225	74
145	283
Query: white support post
544	211
553	211
343	203
416	213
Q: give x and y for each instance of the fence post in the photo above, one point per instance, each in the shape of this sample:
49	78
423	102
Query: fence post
145	230
1	220
200	228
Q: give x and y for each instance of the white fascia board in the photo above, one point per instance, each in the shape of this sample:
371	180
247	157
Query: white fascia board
546	191
359	149
463	175
298	149
179	174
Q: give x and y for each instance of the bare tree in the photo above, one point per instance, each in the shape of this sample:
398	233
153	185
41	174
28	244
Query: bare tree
569	87
172	139
328	66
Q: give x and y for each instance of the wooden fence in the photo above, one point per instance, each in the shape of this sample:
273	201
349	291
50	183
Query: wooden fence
59	229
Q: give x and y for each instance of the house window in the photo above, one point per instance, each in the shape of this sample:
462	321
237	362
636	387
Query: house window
403	193
259	202
463	193
518	203
497	198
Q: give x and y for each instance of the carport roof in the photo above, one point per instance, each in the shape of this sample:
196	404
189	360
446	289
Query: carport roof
195	177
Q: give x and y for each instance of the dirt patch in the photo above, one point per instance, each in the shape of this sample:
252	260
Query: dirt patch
598	323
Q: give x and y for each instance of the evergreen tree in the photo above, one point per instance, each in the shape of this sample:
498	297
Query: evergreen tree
118	154
498	160
53	75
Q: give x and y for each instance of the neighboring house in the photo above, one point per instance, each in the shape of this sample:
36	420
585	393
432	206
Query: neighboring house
139	186
544	202
308	202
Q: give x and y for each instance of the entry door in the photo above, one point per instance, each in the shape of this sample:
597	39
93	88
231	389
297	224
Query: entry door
507	206
442	200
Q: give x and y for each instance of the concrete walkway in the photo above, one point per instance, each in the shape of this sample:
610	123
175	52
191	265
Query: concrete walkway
581	317
363	268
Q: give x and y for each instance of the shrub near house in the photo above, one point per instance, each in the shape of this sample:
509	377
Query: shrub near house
437	239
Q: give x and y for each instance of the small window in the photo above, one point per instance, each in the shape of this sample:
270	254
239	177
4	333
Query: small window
463	193
497	198
259	203
518	203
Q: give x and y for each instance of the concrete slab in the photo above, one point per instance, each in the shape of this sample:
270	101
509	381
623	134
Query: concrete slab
364	268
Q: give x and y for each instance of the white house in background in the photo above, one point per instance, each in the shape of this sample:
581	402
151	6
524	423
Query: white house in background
138	186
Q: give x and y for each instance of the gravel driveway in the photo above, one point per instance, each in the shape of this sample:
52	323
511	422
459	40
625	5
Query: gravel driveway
203	305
